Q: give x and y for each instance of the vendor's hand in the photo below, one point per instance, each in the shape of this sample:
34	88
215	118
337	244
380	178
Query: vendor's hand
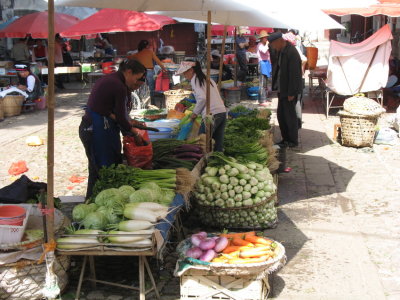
112	116
290	98
139	141
193	117
21	87
135	123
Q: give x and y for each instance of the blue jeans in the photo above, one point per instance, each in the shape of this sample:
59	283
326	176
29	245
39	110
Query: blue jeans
151	82
218	130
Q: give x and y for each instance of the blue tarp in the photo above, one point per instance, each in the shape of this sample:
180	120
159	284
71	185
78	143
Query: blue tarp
165	225
6	23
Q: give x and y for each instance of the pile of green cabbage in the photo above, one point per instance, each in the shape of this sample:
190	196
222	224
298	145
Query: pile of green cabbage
109	204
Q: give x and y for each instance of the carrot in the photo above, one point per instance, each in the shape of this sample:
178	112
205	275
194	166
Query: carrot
220	260
258	240
238	235
241	242
249	260
256	252
230	249
234	254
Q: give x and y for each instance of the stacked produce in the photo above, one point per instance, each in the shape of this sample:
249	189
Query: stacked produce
234	195
172	154
242	137
123	216
118	175
231	248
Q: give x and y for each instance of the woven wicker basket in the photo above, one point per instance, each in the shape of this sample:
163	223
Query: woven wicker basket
357	130
12	105
25	279
172	97
221	217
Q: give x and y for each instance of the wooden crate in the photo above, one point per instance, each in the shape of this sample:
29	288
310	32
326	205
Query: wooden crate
201	285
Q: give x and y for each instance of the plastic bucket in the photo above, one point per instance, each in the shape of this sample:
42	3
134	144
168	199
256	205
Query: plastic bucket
108	67
232	95
312	57
12	215
41	103
164	133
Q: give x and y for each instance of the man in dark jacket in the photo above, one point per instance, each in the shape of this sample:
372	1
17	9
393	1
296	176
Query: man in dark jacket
287	80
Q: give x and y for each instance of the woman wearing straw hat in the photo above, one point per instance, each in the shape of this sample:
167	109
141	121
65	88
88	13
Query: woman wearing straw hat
192	71
264	61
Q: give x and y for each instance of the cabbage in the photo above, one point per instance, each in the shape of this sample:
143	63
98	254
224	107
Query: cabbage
95	220
140	196
151	186
110	198
168	197
111	215
126	191
80	212
92	207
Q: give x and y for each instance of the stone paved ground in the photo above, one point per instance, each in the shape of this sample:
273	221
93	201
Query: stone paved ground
339	213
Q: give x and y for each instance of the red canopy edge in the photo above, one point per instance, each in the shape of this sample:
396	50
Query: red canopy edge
386	7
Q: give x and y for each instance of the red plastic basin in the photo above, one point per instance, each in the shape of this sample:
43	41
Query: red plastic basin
12	215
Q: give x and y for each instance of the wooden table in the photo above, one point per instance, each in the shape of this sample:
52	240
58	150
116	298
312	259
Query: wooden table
143	269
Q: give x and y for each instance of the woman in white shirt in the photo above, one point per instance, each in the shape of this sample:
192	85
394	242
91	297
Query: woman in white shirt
32	86
192	71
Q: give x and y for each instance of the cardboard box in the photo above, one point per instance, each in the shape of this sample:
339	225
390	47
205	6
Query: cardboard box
7	64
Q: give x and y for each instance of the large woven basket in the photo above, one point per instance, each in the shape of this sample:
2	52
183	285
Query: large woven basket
25	279
223	218
357	130
12	105
172	97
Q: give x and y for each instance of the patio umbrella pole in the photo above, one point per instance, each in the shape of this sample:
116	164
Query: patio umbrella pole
208	119
221	61
50	125
50	289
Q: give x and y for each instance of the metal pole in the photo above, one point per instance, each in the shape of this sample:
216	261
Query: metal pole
50	124
236	62
221	61
207	120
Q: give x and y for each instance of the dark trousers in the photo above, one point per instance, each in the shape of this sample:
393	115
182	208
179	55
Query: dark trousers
242	61
86	136
218	130
287	119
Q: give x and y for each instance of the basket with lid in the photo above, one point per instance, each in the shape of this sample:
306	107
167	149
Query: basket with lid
358	121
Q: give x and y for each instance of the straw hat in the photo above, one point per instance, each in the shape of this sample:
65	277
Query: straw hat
185	65
263	33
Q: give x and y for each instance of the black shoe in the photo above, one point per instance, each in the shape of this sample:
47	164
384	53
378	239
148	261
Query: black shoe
281	144
292	145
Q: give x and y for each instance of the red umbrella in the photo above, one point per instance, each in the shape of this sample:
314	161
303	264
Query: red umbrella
36	25
117	20
252	30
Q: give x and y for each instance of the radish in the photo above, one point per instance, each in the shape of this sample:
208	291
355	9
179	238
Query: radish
207	244
194	252
208	255
220	244
196	239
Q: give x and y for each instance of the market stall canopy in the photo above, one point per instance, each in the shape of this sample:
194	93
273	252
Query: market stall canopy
227	12
36	25
219	30
389	8
362	67
117	20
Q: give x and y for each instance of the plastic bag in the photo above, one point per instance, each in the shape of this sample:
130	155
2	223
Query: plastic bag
185	131
138	156
17	168
386	136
